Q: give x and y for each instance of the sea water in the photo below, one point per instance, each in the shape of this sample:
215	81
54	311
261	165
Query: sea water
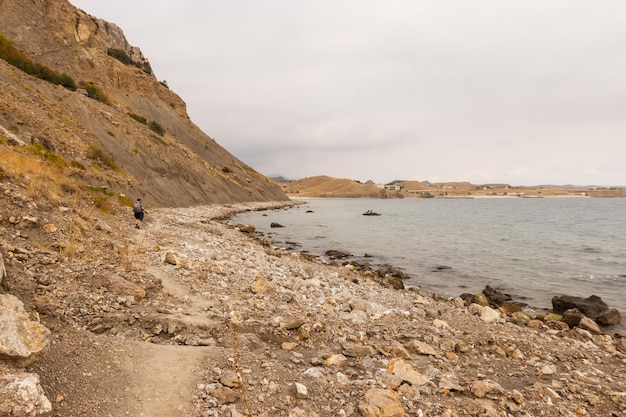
531	248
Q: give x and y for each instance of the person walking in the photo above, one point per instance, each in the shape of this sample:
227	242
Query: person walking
139	212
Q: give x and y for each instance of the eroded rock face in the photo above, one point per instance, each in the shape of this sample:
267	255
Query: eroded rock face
22	396
21	339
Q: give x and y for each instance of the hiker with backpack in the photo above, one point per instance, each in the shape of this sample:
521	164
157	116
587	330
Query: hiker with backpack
139	211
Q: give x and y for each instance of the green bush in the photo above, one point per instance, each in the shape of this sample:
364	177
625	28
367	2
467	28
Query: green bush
95	92
54	158
78	165
18	59
123	57
139	118
156	128
104	158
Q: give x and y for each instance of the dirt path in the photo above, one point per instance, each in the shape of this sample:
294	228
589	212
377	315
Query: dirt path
163	378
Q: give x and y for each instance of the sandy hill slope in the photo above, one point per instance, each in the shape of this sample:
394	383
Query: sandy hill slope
121	128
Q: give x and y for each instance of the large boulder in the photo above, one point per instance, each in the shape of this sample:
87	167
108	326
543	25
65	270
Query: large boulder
611	316
592	307
495	297
22	396
480	299
21	339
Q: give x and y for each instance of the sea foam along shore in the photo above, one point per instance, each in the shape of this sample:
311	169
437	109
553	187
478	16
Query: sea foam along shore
328	340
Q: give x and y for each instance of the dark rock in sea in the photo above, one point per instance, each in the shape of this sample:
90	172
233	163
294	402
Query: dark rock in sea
609	317
479	299
495	297
591	306
276	225
513	306
572	317
336	254
441	268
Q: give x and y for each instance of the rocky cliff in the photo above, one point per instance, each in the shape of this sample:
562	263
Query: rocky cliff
121	128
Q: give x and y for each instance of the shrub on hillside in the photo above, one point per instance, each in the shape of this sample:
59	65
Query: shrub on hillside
95	92
123	57
98	155
156	128
18	59
38	148
138	118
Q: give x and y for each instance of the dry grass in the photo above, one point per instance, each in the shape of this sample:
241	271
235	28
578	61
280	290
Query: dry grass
42	180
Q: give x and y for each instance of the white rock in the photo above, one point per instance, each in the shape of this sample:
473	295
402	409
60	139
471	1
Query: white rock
21	395
301	391
489	315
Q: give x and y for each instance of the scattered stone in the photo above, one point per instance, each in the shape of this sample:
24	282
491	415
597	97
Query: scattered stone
486	388
400	368
288	345
572	317
261	285
50	228
357	351
381	403
421	348
489	315
225	395
170	258
337	254
247	228
547	371
120	286
609	317
495	297
230	379
314	373
587	324
301	391
479	299
336	361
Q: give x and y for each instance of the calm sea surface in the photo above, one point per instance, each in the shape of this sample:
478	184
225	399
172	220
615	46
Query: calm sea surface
531	248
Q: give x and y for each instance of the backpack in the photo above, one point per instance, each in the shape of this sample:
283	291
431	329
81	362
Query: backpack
137	207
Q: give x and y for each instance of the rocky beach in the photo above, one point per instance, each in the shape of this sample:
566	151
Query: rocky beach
192	317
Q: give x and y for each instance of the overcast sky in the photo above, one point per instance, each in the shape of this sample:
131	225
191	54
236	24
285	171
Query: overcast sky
525	92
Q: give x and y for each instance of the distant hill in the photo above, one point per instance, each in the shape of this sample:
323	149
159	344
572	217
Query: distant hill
324	186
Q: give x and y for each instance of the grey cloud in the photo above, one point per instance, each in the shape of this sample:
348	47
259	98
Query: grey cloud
483	91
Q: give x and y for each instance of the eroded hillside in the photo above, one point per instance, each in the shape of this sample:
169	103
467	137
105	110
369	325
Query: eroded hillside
121	129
